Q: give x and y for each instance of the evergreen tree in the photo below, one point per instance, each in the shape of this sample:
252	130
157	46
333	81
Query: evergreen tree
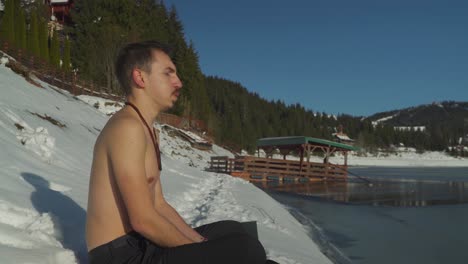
7	28
55	50
16	23
21	30
180	52
40	7
43	40
101	28
200	105
33	39
66	56
155	24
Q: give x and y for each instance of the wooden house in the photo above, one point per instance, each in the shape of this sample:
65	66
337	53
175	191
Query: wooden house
60	9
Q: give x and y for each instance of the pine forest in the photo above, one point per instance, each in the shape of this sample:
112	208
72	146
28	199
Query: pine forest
236	118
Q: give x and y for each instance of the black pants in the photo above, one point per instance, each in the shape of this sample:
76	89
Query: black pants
227	243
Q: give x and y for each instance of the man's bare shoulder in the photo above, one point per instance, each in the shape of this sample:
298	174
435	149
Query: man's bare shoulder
122	127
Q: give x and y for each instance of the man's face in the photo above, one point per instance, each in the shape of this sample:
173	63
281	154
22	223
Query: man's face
162	82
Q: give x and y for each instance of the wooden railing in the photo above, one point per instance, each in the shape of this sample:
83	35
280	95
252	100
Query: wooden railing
275	168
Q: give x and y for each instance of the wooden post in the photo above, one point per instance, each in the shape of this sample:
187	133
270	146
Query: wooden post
285	152
227	165
73	76
346	163
42	69
246	164
20	55
52	74
302	159
63	81
326	162
31	59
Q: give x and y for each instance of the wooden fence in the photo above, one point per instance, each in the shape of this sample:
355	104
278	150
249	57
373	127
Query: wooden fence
264	169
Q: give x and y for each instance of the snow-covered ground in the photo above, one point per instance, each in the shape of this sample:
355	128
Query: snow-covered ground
46	142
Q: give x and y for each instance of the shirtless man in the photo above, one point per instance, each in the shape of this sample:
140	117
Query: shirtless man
128	219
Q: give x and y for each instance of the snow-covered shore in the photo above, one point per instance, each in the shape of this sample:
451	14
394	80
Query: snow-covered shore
46	142
400	158
405	158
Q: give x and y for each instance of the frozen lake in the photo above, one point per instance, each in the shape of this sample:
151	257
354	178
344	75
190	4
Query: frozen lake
405	215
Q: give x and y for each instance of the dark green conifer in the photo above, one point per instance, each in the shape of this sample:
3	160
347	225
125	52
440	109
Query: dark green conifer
16	22
66	56
43	40
33	39
21	30
55	50
7	28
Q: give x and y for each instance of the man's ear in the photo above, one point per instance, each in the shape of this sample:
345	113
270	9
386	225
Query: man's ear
137	76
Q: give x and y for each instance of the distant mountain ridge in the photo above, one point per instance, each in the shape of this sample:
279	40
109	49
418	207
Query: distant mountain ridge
446	113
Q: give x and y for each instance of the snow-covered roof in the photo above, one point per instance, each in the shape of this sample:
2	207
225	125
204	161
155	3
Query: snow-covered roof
342	136
59	1
299	140
409	128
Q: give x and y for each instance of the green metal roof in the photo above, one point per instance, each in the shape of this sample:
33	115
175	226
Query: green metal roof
298	140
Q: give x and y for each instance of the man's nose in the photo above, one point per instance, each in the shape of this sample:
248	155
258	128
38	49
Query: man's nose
178	83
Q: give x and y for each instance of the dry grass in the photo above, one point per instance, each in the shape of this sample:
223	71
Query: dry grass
23	71
113	104
50	119
19	127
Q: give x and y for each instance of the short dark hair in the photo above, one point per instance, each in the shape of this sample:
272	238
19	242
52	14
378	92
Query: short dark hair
136	55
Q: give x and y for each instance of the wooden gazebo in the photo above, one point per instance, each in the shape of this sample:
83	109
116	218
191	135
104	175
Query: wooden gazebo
303	170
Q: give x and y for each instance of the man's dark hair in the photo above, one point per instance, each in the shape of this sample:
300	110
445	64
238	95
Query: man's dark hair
136	55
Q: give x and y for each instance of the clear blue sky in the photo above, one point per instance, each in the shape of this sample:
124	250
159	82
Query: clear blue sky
356	57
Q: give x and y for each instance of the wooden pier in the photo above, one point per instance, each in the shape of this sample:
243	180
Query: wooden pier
268	169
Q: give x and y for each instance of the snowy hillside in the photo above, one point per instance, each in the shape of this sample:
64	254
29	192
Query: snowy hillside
46	142
447	113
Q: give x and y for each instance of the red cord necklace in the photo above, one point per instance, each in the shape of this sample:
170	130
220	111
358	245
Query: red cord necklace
153	137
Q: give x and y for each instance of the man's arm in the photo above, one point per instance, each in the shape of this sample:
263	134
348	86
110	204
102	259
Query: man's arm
166	210
126	151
